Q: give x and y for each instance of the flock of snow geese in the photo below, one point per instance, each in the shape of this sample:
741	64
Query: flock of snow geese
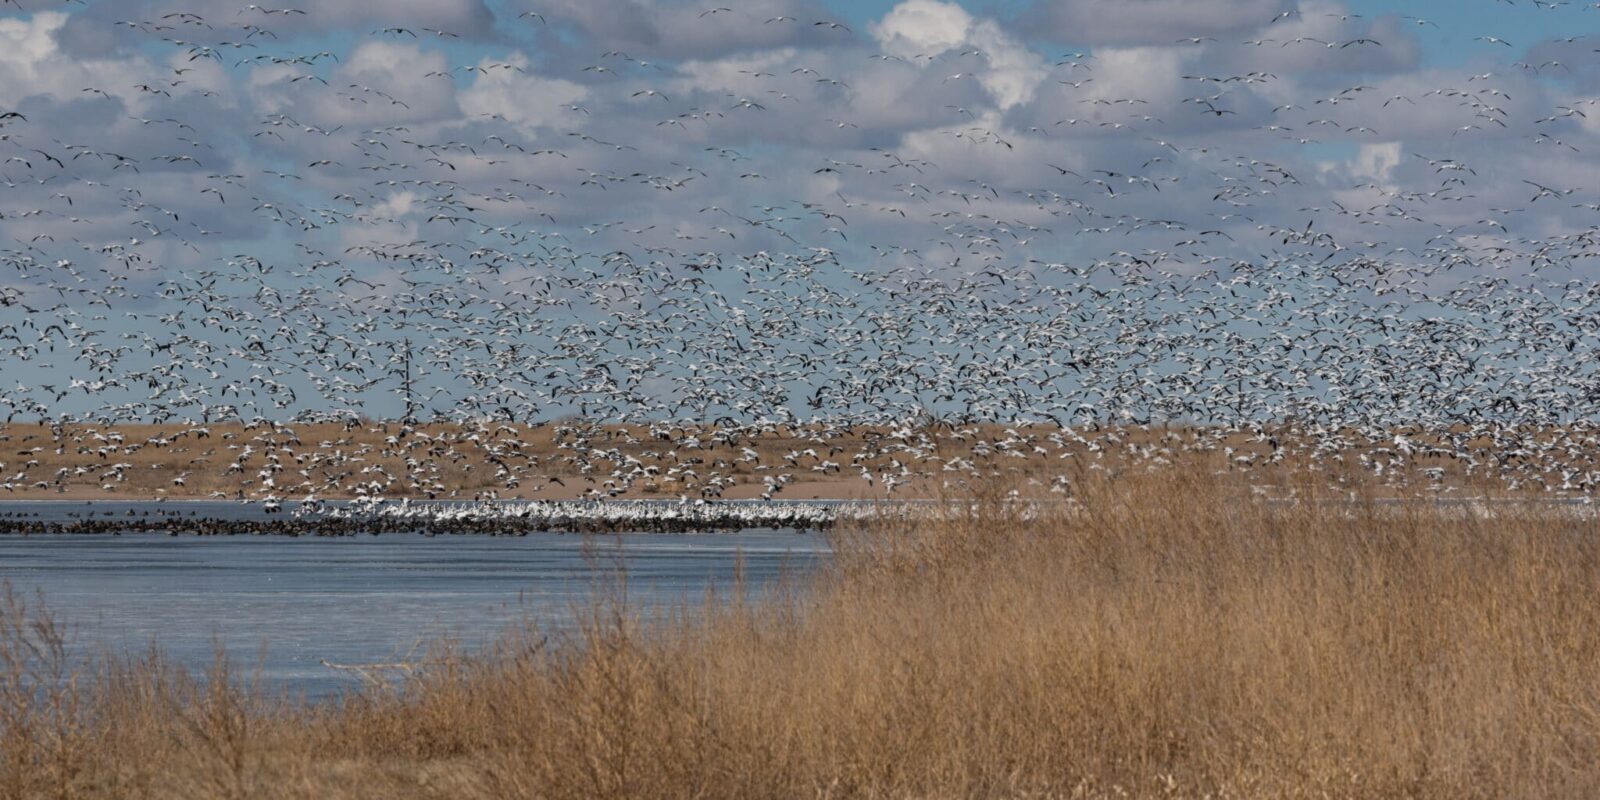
279	224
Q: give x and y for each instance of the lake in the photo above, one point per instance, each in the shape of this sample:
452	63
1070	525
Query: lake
288	604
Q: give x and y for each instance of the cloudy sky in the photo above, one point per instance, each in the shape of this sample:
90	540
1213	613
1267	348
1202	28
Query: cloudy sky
355	146
619	120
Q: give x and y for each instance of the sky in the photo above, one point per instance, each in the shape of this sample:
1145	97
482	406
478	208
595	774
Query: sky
357	150
1007	84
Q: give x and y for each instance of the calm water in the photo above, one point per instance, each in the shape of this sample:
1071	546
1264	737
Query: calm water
351	600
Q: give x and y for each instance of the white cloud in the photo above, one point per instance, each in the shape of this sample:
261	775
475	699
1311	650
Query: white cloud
1376	161
1014	70
462	17
924	29
1125	22
387	82
29	41
1151	74
396	205
527	100
734	75
32	64
683	29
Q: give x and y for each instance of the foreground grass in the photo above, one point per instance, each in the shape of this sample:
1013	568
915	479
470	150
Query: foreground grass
1171	636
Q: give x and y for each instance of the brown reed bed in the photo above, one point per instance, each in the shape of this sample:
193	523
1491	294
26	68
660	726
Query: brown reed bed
571	459
1169	634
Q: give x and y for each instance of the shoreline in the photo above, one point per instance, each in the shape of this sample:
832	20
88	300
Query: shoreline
522	518
506	518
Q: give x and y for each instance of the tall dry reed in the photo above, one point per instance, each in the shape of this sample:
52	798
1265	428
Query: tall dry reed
1165	635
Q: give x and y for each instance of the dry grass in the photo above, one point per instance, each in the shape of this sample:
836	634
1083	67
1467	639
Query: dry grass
436	460
1169	636
574	459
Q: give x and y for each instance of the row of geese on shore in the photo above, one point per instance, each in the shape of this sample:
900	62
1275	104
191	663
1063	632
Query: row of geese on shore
612	515
376	517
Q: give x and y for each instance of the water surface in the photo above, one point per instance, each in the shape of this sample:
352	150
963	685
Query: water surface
288	604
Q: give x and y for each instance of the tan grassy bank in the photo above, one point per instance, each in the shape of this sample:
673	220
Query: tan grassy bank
1176	638
556	461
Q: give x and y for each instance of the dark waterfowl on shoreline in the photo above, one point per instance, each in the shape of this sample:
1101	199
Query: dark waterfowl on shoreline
555	518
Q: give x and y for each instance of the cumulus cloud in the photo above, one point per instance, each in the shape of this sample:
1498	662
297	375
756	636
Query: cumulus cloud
923	30
461	17
1376	161
691	29
32	64
1323	37
510	92
1372	166
122	25
1146	22
388	82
